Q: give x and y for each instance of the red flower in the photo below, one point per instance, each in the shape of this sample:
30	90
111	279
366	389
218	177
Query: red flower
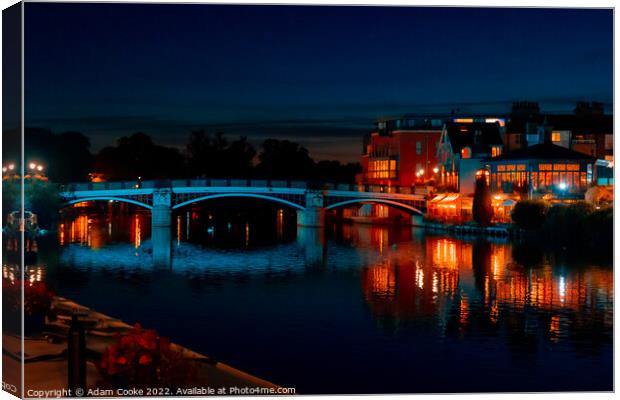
145	359
121	360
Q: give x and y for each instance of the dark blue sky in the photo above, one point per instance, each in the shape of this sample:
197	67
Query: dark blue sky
318	75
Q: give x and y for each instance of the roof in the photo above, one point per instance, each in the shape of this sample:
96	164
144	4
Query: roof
584	124
479	137
543	151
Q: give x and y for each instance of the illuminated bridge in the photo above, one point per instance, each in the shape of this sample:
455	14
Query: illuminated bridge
311	200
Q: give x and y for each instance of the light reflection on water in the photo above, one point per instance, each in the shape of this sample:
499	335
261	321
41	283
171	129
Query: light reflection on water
355	309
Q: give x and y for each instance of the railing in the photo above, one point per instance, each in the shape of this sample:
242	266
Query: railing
245	183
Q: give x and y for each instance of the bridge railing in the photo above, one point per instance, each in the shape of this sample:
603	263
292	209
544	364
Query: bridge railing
261	183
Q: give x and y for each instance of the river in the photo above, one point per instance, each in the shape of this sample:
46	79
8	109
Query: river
347	309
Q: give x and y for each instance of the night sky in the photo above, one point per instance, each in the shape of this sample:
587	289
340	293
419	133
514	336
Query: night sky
317	75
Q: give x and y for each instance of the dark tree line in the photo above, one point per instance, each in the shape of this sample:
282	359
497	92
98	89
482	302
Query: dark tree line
68	157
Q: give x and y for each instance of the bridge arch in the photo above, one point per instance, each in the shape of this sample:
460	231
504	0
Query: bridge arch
250	195
395	204
107	198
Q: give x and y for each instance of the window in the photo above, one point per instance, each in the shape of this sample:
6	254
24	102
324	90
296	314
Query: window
418	148
382	169
465	152
555	137
496	151
545	167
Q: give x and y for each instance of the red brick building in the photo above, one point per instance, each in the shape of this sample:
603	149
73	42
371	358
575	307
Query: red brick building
401	152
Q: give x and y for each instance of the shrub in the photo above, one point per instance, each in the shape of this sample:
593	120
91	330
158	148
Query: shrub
37	305
599	228
567	223
529	214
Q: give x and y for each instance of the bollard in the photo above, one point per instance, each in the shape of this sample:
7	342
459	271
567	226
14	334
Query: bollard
76	354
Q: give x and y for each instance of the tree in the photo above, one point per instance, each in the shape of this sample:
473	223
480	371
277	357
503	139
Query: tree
65	156
137	156
283	159
599	194
215	157
529	214
482	207
239	158
42	198
335	171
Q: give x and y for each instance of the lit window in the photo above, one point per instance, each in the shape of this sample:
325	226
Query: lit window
418	148
496	151
555	136
465	152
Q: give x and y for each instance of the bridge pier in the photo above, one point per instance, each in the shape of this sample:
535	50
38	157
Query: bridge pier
311	217
161	213
312	241
161	239
161	228
314	213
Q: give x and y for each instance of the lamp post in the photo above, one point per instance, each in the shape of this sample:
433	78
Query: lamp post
8	171
35	170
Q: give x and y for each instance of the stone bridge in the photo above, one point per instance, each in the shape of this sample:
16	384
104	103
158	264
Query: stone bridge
311	200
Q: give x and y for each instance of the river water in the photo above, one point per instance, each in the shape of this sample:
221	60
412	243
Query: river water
348	309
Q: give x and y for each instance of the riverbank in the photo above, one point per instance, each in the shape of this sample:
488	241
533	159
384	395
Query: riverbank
46	357
498	230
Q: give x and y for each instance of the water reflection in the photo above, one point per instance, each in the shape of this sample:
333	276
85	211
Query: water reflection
471	288
441	290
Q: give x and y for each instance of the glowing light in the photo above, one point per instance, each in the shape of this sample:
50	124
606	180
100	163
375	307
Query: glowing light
32	165
11	167
435	170
500	121
39	167
421	172
4	169
419	277
137	233
562	186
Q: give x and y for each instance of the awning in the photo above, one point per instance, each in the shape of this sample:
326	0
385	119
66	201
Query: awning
449	198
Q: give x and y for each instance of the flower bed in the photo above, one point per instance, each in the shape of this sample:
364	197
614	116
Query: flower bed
143	359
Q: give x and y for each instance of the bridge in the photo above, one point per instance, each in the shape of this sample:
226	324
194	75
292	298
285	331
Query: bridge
311	200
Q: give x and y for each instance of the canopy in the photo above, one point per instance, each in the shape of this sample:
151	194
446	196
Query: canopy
449	198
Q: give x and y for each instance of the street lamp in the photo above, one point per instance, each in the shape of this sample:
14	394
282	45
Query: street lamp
435	170
562	186
39	168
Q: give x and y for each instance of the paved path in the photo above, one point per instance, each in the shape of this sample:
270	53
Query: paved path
46	362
